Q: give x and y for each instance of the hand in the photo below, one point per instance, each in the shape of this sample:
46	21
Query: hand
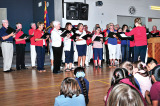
68	35
33	33
25	38
12	34
77	37
114	36
88	38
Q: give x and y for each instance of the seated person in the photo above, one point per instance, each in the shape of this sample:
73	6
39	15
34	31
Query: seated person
83	82
151	63
120	75
155	89
129	67
70	94
124	95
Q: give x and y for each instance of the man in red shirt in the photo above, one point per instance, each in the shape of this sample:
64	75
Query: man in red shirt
20	48
154	30
32	46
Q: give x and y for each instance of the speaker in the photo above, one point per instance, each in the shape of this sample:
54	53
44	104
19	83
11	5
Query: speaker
99	3
83	11
72	11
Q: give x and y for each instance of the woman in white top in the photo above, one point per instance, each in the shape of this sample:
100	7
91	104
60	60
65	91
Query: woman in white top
68	48
81	45
56	46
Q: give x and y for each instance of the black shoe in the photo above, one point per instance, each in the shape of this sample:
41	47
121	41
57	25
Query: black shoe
7	71
12	70
58	72
24	68
96	66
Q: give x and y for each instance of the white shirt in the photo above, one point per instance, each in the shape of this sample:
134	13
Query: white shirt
56	38
82	42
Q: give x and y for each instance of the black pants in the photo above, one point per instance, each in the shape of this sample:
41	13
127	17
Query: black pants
107	54
57	53
131	52
20	56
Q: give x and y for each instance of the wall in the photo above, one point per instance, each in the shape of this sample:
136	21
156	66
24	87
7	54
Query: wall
19	11
113	8
38	12
3	14
154	22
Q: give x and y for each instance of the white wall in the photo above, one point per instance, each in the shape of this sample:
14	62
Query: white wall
154	22
3	15
111	9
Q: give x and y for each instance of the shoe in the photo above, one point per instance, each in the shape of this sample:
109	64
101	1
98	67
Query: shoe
58	72
18	69
7	71
33	67
110	66
24	68
12	70
67	70
96	66
100	66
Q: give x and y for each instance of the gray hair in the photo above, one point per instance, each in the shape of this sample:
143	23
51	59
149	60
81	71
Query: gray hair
3	21
32	23
55	23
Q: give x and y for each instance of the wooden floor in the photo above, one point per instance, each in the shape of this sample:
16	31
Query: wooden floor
31	88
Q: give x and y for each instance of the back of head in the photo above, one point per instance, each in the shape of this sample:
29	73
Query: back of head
70	87
124	95
119	74
138	20
79	72
156	72
128	65
151	60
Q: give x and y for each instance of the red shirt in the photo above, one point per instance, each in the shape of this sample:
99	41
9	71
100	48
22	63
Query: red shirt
105	31
38	34
156	32
132	44
155	92
140	37
32	40
20	33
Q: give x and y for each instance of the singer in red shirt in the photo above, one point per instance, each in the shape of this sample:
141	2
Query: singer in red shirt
40	46
20	48
140	39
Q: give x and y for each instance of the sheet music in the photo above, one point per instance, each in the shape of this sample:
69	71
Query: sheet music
123	35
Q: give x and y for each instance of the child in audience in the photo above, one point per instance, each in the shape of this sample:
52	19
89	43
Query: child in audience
121	75
129	67
155	89
151	63
143	77
70	94
83	82
124	95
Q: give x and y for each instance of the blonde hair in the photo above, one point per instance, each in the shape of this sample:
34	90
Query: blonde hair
124	95
110	24
138	20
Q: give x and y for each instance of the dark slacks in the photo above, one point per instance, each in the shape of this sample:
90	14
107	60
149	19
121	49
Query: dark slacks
69	55
131	54
125	52
140	51
40	50
107	54
57	53
20	56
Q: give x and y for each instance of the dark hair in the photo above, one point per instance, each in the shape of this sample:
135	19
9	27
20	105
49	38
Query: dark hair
128	66
124	26
122	73
67	24
79	25
140	65
151	60
83	83
70	87
156	72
